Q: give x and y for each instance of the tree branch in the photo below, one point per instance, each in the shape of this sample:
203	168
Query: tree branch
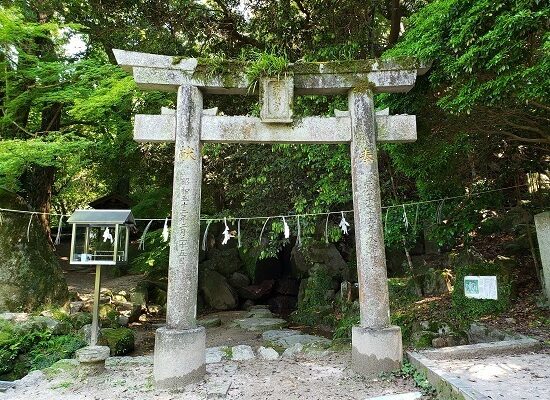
517	138
230	26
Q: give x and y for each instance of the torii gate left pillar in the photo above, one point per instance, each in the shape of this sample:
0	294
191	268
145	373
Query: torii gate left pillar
180	346
179	356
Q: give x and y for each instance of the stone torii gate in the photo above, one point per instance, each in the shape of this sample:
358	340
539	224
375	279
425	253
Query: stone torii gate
180	346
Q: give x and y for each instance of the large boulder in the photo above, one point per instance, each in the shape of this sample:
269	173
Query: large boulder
30	274
120	340
217	293
304	258
238	279
224	261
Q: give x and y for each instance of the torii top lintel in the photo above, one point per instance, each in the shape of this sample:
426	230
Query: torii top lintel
160	72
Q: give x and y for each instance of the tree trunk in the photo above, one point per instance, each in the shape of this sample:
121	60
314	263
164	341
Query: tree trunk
395	23
38	182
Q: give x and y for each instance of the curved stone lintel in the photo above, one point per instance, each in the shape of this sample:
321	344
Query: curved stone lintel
161	72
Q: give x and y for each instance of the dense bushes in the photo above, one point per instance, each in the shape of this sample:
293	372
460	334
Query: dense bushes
33	345
467	308
56	348
315	307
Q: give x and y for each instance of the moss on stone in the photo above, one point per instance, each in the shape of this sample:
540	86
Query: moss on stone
265	65
333	67
228	351
404	62
119	340
79	319
423	339
64	365
364	86
468	308
315	308
228	71
30	275
177	59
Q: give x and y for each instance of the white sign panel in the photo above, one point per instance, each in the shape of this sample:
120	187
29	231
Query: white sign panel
481	287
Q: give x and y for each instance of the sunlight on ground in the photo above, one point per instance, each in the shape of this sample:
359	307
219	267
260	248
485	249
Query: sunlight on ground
493	371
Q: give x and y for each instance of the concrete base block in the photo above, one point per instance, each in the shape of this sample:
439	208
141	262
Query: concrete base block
376	350
180	357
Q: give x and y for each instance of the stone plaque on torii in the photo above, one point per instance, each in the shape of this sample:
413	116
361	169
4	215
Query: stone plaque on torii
179	356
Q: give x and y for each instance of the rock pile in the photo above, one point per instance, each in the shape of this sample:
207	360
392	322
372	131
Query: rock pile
229	279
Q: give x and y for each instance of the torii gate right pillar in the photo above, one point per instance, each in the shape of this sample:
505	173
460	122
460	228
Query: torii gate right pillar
376	346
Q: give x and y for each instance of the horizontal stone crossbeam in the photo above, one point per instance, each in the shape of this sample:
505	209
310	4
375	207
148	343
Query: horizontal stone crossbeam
244	129
159	72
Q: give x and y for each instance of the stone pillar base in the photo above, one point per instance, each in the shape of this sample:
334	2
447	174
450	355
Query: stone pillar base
376	350
92	359
180	357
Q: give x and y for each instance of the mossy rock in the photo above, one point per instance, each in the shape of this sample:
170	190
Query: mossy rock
468	308
422	339
105	310
436	282
79	319
61	366
119	340
314	308
30	275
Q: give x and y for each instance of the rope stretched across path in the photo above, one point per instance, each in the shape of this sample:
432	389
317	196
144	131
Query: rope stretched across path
440	200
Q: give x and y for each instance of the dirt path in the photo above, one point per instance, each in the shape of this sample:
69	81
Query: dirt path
81	280
304	378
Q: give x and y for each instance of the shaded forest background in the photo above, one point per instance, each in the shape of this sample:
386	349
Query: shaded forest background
483	109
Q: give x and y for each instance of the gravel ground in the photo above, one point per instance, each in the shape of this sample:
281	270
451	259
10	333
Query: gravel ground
306	378
510	377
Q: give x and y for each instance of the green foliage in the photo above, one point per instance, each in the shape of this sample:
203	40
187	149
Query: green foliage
403	294
315	308
154	201
79	319
154	259
420	379
28	346
17	155
47	352
424	340
228	351
468	309
250	257
347	318
402	291
493	53
7	358
265	65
